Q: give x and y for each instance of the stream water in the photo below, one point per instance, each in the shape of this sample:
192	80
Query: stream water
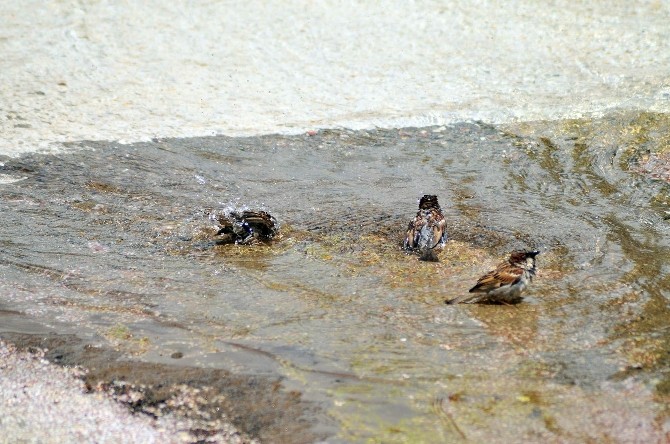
113	243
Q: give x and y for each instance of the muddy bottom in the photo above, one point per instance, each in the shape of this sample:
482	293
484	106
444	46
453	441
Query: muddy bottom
112	244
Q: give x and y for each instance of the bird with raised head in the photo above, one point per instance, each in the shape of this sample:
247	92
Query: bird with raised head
505	284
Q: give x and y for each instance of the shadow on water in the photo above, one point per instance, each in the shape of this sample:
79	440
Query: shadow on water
112	243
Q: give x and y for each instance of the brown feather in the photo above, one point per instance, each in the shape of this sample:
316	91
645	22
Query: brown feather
503	275
439	230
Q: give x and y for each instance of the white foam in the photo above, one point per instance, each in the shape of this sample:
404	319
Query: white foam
103	70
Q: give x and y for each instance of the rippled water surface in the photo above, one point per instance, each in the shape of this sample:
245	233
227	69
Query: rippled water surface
113	243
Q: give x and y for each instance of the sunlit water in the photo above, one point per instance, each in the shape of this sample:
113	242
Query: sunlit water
116	238
76	70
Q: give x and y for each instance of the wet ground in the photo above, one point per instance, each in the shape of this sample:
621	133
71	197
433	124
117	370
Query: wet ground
342	334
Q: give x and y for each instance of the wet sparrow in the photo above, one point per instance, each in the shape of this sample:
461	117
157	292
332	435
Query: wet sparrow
427	230
246	226
505	284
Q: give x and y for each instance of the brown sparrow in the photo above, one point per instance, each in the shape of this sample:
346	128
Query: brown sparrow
246	226
505	284
427	230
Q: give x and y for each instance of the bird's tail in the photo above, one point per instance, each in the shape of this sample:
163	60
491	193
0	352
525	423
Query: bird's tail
462	299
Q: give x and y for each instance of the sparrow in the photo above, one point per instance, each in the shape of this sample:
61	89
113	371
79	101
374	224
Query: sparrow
427	230
246	227
505	284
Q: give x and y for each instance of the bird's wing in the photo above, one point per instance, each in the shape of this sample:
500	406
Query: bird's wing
413	232
496	279
261	222
408	243
439	233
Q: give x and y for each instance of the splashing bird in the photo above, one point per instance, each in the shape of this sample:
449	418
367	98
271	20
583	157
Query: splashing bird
246	227
427	230
505	284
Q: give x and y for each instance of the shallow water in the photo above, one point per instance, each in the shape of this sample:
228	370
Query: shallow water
112	242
